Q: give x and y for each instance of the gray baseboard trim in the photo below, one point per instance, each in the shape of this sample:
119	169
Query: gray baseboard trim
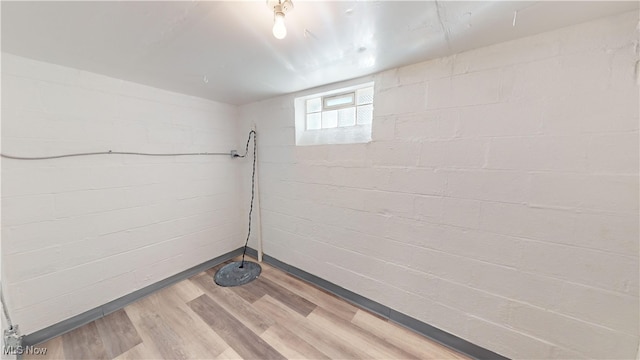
86	317
440	336
449	340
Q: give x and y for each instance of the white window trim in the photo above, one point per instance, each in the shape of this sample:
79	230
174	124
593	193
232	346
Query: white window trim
325	107
340	135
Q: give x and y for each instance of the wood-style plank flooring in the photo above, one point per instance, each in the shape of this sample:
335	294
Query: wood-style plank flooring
276	316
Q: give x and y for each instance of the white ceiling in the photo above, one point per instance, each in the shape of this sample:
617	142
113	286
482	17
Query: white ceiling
175	45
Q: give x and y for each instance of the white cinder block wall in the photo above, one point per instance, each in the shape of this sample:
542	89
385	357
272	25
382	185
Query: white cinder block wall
80	232
497	201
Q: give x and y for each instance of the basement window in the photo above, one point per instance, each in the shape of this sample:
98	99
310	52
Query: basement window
341	116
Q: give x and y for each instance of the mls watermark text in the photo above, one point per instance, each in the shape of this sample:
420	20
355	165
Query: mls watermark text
24	350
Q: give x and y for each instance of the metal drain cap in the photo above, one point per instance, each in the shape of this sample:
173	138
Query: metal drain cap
234	275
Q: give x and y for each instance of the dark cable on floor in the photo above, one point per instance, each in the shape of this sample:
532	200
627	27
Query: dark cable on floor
253	187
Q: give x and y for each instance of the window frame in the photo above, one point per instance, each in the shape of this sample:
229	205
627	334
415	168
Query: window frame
346	134
326	98
324	108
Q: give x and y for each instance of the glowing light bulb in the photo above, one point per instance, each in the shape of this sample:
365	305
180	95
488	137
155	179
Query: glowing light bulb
279	30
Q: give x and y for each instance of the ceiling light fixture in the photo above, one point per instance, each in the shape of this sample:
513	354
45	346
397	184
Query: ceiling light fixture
280	8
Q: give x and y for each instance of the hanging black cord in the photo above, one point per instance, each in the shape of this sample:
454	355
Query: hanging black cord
253	187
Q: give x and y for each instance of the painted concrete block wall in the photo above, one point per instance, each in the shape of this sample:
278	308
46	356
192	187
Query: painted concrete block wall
497	201
80	232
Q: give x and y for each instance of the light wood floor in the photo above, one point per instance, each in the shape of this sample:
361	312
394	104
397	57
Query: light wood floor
275	317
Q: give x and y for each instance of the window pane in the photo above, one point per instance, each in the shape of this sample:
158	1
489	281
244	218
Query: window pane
314	105
365	96
329	119
338	100
347	117
365	114
313	121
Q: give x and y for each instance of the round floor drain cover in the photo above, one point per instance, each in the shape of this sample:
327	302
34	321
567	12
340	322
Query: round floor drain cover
234	275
